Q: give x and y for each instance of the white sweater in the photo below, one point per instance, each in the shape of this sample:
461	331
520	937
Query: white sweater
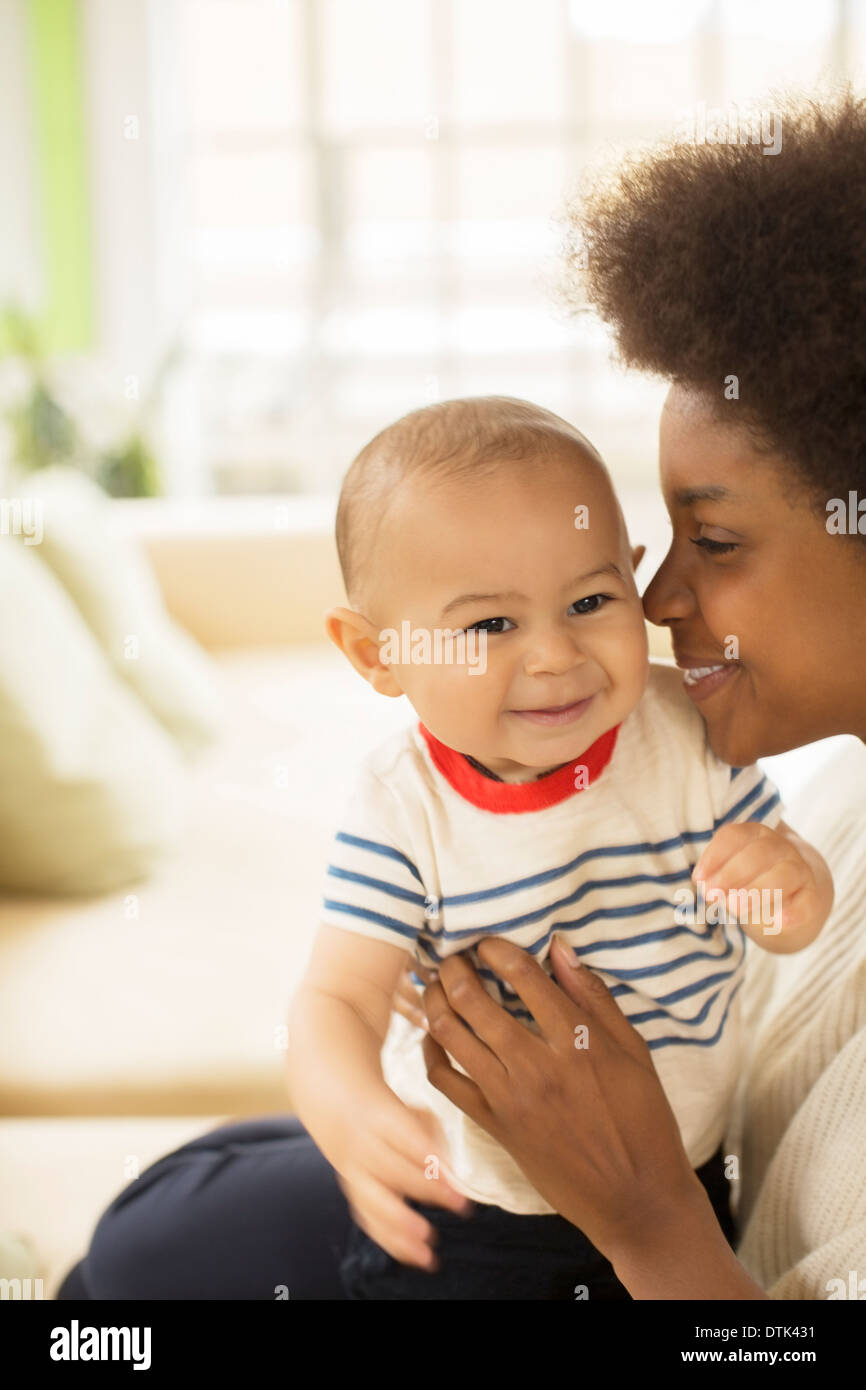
799	1124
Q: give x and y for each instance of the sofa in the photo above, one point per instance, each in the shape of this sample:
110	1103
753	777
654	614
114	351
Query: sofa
133	1019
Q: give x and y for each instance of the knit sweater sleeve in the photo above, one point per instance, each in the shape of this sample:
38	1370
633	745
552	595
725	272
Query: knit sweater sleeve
800	1122
833	1271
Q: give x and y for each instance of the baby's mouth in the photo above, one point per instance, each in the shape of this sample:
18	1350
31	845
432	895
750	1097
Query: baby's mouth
556	714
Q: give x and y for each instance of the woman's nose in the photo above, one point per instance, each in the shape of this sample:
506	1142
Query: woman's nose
551	653
668	596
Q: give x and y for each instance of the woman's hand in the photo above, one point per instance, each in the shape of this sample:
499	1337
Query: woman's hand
581	1110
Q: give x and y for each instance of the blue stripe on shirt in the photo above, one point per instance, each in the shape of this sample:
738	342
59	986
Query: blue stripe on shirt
654	1043
688	837
671	1040
375	847
757	790
764	809
607	852
392	889
367	916
642	972
535	947
526	918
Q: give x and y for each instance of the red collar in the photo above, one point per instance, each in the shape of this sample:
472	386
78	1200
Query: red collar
519	796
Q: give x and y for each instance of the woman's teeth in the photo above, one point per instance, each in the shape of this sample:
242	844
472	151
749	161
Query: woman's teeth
697	673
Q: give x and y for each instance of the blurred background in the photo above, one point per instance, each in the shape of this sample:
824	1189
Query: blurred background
261	229
238	238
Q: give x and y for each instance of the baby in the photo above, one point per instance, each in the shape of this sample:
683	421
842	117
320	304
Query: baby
555	781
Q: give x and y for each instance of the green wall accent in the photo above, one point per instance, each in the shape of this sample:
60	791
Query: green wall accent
61	175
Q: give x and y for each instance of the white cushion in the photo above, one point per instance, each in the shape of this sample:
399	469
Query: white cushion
112	585
90	783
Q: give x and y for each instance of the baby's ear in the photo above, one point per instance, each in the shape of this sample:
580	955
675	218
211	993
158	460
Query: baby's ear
358	640
637	555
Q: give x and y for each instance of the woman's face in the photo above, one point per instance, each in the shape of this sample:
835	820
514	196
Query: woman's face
756	589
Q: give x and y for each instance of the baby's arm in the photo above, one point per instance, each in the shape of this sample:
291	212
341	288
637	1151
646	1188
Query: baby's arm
789	885
379	1146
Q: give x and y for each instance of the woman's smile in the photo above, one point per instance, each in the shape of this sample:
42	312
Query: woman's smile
703	679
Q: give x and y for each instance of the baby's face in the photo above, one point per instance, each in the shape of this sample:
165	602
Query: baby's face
566	649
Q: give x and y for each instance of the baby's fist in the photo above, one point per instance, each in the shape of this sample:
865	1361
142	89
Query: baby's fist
760	876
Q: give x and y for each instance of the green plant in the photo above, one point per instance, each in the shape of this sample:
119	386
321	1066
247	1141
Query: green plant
43	432
130	470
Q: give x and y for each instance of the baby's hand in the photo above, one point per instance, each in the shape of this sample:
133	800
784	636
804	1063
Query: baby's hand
407	998
398	1152
769	885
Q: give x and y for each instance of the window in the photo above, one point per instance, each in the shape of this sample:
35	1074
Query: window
372	195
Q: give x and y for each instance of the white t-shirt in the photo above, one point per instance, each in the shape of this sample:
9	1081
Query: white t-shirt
433	855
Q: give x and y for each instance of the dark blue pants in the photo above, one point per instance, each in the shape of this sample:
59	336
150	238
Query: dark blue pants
253	1211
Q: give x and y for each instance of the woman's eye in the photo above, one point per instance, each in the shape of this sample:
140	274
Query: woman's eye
713	547
590	604
490	625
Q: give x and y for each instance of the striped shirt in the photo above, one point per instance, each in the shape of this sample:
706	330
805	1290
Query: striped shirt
433	855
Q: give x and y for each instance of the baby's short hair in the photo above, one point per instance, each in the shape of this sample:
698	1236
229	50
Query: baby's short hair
453	439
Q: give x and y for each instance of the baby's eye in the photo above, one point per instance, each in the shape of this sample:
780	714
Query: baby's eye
488	625
590	604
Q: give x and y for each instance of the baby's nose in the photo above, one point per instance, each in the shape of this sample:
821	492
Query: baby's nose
553	653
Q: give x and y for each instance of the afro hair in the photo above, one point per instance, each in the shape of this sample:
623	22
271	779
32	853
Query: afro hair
716	260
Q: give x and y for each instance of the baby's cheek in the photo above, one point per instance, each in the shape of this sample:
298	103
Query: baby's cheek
638	659
631	673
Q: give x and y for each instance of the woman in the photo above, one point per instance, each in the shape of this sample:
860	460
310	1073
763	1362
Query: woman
742	280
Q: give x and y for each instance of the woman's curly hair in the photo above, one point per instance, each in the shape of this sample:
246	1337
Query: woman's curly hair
713	260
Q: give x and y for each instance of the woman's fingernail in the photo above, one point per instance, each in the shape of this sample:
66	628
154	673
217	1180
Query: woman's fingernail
568	952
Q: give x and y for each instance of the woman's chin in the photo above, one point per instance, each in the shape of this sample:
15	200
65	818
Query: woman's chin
733	739
736	732
736	742
732	748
